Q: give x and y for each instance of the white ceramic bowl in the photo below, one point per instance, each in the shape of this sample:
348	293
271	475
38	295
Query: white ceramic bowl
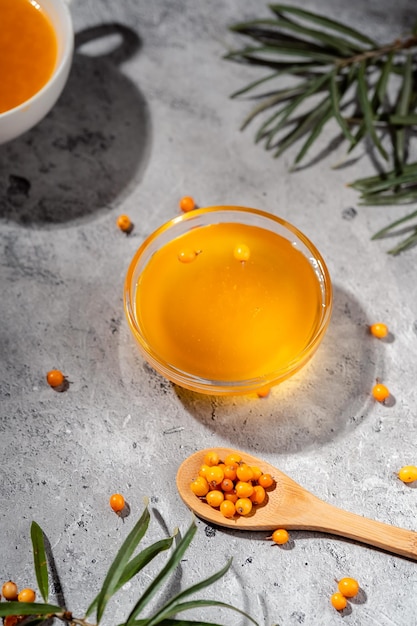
18	120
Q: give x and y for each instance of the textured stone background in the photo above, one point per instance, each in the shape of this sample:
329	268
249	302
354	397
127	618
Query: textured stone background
146	118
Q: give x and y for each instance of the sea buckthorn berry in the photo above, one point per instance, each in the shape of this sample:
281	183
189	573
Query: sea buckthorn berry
187	256
348	587
244	472
211	458
244	489
241	252
13	620
215	475
263	393
231	496
187	204
233	459
230	471
203	470
408	473
265	480
26	595
338	601
379	330
123	222
258	495
215	498
280	536
227	508
117	502
380	392
243	506
227	485
9	590
55	378
200	486
256	472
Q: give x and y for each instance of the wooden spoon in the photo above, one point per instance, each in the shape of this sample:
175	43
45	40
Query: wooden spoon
291	506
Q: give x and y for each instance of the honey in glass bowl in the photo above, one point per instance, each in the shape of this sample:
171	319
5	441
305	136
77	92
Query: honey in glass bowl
227	300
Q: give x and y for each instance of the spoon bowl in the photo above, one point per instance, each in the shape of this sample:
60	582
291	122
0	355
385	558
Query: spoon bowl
291	506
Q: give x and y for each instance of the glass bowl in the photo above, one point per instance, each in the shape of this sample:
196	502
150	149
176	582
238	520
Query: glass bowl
227	300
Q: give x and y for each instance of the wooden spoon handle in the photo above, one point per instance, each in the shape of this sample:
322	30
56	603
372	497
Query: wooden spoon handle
328	518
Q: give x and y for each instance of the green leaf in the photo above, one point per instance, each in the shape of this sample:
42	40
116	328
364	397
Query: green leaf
276	98
381	233
403	120
28	608
196	604
368	114
323	21
403	109
362	184
118	566
335	100
382	84
318	127
402	197
406	244
295	49
39	559
168	569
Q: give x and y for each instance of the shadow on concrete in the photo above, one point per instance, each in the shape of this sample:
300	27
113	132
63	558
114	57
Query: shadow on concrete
92	146
331	395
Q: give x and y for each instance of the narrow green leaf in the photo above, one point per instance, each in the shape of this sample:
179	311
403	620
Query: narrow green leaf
295	49
168	569
28	608
388	228
402	197
276	98
118	566
335	100
197	604
323	21
39	558
165	611
403	120
318	127
403	109
367	109
382	84
256	83
391	183
174	622
406	244
369	181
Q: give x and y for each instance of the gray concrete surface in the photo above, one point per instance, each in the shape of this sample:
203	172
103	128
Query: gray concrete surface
136	128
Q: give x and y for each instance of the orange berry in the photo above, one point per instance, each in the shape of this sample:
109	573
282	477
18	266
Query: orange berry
338	601
231	496
380	392
215	475
227	508
244	472
26	595
280	536
408	473
203	470
13	620
55	378
187	256
243	506
348	587
187	204
263	393
200	486
265	480
233	459
379	330
211	458
257	472
241	252
227	485
9	590
244	489
117	502
124	223
258	495
230	471
215	498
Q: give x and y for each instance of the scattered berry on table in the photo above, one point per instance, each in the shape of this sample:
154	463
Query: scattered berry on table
9	590
280	536
263	393
348	587
124	223
26	595
338	601
55	378
187	204
379	330
117	502
408	473
380	392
